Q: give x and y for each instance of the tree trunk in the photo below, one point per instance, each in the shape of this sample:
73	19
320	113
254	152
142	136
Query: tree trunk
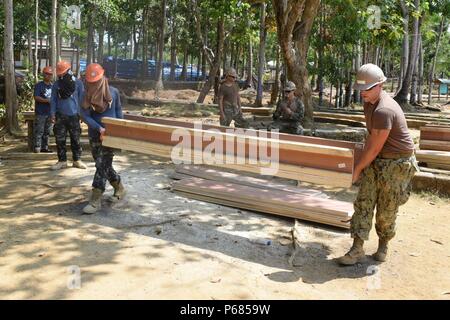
224	55
320	84
420	84
276	84
415	79
249	80
262	58
53	37
12	124
215	64
30	51
135	43
402	95
185	60
77	61
41	50
173	51
356	93
348	90
58	32
433	65
159	80
36	63
294	28
101	36
220	55
109	42
90	41
203	66
144	70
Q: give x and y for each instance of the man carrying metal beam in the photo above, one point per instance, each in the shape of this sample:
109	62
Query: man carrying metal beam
385	168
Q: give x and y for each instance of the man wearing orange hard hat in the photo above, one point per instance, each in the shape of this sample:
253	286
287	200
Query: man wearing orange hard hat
101	100
67	94
42	122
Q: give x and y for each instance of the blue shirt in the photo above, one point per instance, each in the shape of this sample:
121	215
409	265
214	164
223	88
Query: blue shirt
94	119
43	90
69	106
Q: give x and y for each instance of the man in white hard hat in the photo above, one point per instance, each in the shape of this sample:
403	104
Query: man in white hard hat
385	168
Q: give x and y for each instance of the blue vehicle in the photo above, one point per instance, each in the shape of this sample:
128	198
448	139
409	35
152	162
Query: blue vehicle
82	65
132	69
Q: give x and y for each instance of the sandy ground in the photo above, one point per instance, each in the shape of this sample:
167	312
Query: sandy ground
157	245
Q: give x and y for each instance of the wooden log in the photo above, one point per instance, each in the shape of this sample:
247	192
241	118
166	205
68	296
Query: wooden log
430	132
433	156
442	166
302	158
434	145
305	174
221	176
296	153
268	200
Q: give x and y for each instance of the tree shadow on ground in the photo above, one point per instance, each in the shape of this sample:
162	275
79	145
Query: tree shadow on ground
190	223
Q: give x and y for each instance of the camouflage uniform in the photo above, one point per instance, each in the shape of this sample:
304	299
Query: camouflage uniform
71	124
289	124
231	112
386	184
103	157
42	127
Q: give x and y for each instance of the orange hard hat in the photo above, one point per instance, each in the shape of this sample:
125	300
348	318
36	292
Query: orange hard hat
62	67
94	72
48	70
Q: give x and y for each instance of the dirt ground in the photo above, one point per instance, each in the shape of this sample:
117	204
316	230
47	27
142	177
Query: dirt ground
158	245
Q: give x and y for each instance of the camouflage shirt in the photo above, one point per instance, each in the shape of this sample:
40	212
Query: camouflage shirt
296	106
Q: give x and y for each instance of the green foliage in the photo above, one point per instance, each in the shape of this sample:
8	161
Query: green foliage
2	112
26	96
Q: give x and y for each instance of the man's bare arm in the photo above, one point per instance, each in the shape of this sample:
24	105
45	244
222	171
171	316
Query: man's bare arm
41	100
221	112
372	148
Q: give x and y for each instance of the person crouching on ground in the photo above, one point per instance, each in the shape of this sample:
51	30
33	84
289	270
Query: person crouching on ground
67	93
101	100
290	112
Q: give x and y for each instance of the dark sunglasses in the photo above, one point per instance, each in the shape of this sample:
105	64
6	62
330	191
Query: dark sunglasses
370	88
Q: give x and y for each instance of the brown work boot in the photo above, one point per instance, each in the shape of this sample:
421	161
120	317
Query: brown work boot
95	202
119	191
355	254
381	253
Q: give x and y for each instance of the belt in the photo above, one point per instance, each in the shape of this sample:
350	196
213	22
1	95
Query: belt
396	155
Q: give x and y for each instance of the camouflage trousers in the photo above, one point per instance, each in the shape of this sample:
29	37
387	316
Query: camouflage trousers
386	185
232	113
63	125
291	127
103	157
42	127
